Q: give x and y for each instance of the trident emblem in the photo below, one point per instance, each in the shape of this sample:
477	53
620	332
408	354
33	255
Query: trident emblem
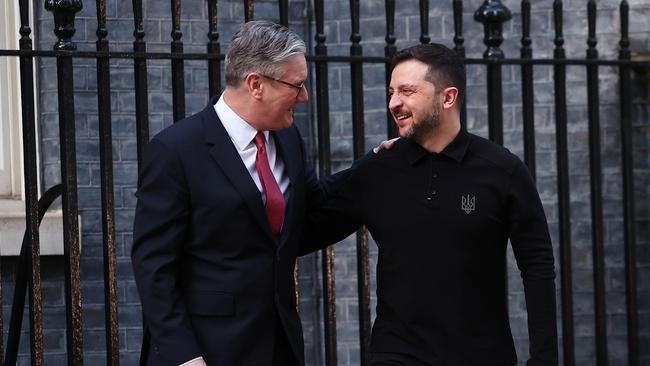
468	204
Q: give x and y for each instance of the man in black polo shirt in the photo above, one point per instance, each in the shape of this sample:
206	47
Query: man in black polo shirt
441	206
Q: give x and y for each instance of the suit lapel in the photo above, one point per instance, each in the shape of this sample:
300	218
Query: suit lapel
285	142
225	154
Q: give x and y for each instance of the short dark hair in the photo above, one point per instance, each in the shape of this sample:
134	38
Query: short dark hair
446	68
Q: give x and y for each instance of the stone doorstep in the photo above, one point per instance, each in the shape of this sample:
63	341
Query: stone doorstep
12	229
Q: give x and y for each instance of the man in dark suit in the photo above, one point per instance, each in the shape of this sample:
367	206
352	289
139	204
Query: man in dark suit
221	200
441	206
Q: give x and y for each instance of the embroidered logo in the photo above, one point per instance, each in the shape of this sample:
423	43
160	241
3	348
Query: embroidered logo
468	203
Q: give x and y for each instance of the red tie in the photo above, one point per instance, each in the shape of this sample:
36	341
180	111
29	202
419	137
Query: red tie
274	197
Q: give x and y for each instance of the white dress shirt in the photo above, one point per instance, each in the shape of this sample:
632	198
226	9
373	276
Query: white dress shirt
242	135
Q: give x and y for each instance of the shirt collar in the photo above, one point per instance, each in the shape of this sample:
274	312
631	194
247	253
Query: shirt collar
455	150
458	146
241	133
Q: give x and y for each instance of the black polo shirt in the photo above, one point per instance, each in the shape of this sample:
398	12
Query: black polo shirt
442	223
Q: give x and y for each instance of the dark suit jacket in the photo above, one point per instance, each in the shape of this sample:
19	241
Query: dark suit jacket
212	279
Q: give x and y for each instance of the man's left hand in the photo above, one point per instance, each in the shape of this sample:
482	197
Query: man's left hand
385	145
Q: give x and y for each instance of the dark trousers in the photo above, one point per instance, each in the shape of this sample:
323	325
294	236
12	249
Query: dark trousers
282	352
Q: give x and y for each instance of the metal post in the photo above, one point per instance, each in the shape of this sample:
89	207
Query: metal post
325	169
283	8
249	10
527	96
460	50
178	68
108	205
595	172
424	22
140	76
390	51
214	48
31	190
358	126
493	14
564	215
64	14
628	191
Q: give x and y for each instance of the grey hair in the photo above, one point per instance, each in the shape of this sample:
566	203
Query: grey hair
260	46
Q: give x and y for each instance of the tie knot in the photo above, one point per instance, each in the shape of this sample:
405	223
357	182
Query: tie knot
259	139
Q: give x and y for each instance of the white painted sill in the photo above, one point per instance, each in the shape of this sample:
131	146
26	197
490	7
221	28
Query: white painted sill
12	229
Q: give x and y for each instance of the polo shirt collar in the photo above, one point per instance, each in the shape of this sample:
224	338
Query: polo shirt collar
458	146
456	149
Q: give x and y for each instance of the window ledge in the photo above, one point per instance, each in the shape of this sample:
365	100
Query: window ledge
12	229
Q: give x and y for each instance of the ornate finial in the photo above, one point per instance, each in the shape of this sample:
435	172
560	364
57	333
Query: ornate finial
624	43
592	41
458	27
525	21
557	17
138	31
493	14
64	13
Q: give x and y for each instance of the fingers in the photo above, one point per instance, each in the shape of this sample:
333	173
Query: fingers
385	145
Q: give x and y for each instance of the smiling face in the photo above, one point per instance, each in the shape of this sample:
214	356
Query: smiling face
280	99
414	101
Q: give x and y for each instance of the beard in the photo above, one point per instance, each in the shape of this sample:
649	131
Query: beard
420	130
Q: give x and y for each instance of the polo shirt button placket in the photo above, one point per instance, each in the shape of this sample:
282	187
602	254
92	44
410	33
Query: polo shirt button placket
433	192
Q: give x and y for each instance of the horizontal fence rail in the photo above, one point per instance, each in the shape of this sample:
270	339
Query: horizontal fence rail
492	15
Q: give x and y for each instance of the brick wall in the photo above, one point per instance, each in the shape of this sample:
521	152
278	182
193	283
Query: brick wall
230	13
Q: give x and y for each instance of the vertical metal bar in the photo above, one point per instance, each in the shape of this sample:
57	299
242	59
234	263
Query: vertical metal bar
296	285
460	50
424	21
20	289
527	90
325	168
390	51
563	189
324	163
17	309
141	113
23	270
493	14
108	205
283	7
249	10
358	126
595	172
178	68
64	13
140	76
628	191
214	66
70	210
31	191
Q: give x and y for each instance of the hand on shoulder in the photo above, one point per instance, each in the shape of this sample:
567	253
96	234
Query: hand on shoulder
385	145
